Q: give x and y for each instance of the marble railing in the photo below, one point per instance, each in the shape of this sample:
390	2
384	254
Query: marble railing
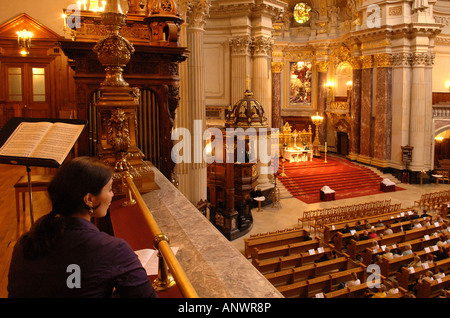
215	268
441	111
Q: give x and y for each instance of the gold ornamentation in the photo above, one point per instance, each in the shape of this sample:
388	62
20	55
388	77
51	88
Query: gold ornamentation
383	60
277	67
367	61
322	66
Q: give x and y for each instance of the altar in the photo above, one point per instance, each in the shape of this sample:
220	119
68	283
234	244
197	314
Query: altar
298	154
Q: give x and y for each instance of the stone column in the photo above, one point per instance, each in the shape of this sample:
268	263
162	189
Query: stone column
383	111
195	179
240	66
276	92
421	111
355	111
262	47
366	110
182	112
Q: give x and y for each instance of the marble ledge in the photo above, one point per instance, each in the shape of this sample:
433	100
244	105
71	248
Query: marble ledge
214	266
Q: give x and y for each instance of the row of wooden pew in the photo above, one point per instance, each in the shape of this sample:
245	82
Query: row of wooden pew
274	239
302	266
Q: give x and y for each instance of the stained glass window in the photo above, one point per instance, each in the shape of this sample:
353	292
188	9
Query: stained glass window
301	12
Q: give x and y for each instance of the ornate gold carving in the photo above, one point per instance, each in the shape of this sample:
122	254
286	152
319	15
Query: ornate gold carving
322	66
355	62
376	44
367	61
383	60
277	67
340	105
114	51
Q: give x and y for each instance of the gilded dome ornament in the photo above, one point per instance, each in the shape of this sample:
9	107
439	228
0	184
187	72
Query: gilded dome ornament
247	112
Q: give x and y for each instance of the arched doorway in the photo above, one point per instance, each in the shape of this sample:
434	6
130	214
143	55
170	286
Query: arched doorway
342	137
442	149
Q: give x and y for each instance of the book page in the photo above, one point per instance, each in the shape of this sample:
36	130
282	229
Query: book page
58	142
149	259
24	139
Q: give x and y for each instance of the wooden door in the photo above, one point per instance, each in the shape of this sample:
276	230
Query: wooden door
27	89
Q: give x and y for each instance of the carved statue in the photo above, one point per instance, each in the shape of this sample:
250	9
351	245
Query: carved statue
334	16
419	5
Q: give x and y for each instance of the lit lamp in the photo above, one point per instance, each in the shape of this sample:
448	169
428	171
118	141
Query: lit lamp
317	120
24	41
349	90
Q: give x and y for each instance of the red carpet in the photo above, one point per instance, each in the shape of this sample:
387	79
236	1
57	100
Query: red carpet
305	179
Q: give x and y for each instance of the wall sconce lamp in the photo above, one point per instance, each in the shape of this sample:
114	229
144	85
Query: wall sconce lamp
24	41
439	138
448	85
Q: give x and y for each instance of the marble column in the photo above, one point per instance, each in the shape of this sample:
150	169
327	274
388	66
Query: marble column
322	70
383	111
240	66
401	100
195	179
262	47
355	111
276	94
366	110
419	131
182	112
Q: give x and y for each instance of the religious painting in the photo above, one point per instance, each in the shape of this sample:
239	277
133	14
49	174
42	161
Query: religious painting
300	83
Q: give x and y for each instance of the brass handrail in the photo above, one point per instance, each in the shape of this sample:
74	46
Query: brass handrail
166	257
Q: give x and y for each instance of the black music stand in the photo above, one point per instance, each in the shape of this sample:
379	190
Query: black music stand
6	132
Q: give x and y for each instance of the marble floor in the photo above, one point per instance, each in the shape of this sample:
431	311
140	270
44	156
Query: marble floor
286	213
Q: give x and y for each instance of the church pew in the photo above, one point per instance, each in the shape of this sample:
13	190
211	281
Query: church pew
406	277
275	239
356	247
388	218
322	284
305	272
416	245
342	239
285	250
285	262
431	289
390	266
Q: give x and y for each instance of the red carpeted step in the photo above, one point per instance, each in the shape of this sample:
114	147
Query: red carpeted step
305	179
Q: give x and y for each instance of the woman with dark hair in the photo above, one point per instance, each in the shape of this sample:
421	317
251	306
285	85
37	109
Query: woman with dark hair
64	254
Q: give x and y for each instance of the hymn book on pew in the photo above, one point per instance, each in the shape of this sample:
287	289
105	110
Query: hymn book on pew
43	140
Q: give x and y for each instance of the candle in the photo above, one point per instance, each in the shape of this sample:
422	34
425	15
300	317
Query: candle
325	146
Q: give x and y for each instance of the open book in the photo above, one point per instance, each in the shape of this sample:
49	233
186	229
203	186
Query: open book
149	259
42	140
